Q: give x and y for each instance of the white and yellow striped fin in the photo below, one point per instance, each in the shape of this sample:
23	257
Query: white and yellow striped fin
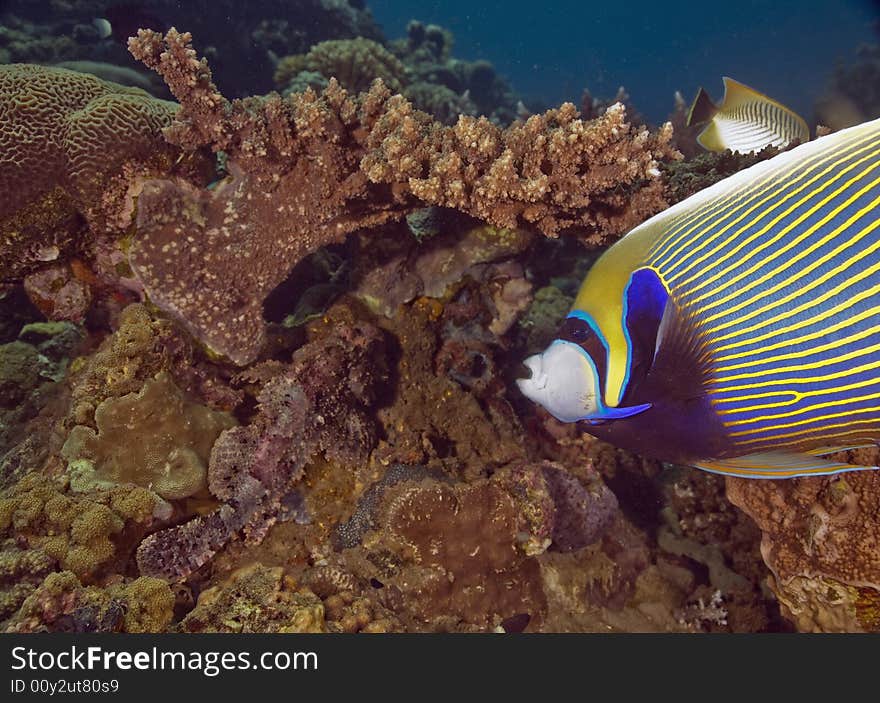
776	465
749	121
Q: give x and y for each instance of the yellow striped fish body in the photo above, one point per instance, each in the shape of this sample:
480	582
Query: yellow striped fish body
745	121
739	330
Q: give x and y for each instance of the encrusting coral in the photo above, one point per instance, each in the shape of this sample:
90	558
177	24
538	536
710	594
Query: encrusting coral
83	533
155	438
62	604
256	598
309	170
820	538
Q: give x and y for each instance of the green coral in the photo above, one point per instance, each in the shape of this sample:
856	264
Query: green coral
156	439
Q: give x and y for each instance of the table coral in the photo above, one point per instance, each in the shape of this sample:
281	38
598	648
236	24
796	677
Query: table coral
67	140
156	438
309	170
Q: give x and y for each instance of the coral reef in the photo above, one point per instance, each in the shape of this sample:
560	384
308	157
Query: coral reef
62	604
31	368
83	533
354	63
313	169
308	421
155	438
819	539
442	84
261	31
256	599
314	405
457	557
684	178
70	147
21	571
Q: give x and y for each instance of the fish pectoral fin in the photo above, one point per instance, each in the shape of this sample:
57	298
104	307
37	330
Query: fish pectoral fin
777	465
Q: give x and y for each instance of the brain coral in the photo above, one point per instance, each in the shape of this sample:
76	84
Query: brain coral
65	139
155	438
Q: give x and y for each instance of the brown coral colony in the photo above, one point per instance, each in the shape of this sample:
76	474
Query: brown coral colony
191	459
310	169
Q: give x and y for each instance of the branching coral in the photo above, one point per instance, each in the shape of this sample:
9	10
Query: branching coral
310	170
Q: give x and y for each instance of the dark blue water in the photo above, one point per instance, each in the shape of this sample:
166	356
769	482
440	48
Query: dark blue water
552	50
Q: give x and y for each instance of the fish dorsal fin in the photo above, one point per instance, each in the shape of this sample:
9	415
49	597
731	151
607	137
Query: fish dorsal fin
777	465
737	94
748	120
702	108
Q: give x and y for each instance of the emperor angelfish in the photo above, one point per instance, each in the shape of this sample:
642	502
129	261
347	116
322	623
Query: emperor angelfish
745	121
739	330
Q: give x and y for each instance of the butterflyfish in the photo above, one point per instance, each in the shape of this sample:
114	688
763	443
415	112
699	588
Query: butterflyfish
745	121
738	331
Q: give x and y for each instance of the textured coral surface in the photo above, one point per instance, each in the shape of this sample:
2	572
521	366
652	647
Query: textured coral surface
309	170
283	395
66	138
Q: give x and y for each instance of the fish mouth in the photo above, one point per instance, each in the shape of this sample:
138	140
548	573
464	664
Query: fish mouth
533	386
